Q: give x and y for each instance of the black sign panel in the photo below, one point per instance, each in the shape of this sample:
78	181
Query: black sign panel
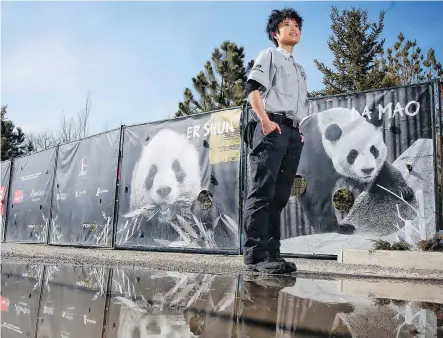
366	172
84	191
147	303
4	188
180	184
21	288
73	301
30	197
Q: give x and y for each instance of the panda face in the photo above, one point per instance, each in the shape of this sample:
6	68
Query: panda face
363	163
357	151
166	179
141	322
163	182
158	325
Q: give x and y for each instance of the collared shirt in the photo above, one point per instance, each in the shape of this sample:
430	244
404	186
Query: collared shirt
284	81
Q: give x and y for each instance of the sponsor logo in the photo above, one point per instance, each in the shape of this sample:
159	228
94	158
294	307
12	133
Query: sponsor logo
30	177
36	195
3	193
80	193
67	315
4	304
21	309
48	310
99	191
61	196
18	196
12	327
257	68
86	320
83	167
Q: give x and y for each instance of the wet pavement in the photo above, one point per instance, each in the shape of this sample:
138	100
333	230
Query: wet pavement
94	301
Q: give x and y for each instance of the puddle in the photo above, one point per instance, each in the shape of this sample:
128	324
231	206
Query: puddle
88	301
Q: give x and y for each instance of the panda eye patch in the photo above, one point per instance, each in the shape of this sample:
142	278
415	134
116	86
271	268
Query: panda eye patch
153	170
178	170
374	151
176	166
150	177
352	156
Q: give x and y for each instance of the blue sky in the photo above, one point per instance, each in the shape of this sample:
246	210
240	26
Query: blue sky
136	58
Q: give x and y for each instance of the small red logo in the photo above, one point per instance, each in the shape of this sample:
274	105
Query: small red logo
3	193
4	304
18	196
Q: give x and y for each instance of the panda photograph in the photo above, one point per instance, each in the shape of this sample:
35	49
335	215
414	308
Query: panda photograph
167	195
353	195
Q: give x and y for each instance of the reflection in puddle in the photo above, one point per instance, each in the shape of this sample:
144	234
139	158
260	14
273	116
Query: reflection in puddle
89	301
147	303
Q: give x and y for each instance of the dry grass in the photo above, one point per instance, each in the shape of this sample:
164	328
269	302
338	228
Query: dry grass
433	244
385	245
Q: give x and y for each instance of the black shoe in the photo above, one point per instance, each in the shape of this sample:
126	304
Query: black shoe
269	266
276	282
289	266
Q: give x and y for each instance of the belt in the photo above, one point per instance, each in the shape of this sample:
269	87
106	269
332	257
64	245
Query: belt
281	119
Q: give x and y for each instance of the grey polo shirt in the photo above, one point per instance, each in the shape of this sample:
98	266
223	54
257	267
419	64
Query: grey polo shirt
284	81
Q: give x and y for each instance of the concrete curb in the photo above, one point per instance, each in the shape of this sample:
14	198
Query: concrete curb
405	290
393	259
198	263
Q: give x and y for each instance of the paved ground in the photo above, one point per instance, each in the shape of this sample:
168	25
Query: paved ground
186	262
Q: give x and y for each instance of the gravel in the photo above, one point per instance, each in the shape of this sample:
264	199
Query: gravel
195	263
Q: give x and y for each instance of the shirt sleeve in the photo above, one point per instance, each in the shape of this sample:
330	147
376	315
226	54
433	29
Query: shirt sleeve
262	71
252	85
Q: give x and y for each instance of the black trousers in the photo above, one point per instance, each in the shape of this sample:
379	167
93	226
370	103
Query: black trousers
273	162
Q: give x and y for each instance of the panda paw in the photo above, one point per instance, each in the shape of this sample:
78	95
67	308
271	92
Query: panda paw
345	229
407	193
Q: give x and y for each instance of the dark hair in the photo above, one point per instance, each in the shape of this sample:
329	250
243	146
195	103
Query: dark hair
277	17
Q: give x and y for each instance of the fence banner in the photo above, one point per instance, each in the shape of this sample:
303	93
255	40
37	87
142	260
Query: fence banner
149	303
30	198
73	301
6	172
179	184
84	191
20	298
366	172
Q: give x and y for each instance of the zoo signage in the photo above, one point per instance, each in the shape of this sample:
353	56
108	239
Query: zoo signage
30	197
179	184
367	170
84	191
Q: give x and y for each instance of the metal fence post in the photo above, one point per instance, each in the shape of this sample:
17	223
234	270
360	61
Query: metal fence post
48	229
6	203
117	187
440	153
243	172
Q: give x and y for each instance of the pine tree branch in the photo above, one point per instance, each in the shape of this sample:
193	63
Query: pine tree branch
221	84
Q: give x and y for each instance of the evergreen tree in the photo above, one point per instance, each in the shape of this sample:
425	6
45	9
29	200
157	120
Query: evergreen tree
12	139
220	85
355	44
406	64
